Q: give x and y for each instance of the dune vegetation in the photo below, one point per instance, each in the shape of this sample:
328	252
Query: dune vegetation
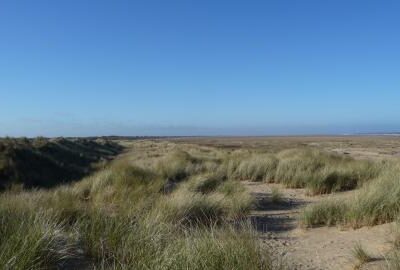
318	171
178	213
165	205
43	162
376	202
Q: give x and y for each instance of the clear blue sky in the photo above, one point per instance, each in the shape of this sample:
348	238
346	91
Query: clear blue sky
198	67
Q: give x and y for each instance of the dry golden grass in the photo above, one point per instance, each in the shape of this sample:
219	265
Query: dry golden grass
122	218
172	204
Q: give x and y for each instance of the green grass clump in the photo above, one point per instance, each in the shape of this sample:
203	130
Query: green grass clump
393	260
318	171
118	240
375	203
195	208
322	172
30	240
297	170
378	202
180	165
331	180
329	212
257	168
227	248
206	183
276	195
230	188
129	243
361	255
121	187
185	207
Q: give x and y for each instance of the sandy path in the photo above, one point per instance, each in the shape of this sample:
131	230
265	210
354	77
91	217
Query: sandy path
319	248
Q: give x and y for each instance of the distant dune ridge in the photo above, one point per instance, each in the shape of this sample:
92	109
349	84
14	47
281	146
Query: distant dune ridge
43	162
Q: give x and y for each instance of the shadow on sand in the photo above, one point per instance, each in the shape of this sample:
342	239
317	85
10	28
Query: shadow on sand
274	216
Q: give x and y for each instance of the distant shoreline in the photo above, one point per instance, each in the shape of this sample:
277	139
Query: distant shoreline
123	137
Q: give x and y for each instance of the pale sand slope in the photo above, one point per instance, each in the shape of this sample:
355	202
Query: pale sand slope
319	248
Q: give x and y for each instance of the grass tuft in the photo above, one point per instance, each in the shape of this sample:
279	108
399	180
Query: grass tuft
377	202
361	255
276	195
